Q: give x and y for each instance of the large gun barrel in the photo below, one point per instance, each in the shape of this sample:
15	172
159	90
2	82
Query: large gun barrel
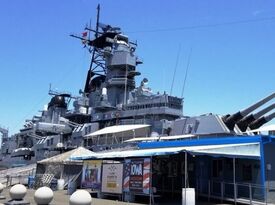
233	119
243	123
259	122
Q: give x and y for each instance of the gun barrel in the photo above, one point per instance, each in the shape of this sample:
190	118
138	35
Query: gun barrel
243	123
234	118
261	121
257	105
264	111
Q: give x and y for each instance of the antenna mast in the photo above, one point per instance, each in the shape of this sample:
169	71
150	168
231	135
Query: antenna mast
186	72
177	61
97	64
96	35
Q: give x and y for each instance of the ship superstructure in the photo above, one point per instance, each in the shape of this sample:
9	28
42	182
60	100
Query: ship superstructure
111	87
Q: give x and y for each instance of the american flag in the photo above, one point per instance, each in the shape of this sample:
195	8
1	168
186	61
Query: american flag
127	170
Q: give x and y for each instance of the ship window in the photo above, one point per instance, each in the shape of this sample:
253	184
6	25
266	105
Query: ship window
48	142
51	141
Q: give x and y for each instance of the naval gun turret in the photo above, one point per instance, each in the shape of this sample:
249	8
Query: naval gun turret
213	125
231	120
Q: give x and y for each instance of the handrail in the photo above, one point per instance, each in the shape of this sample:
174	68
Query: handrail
247	193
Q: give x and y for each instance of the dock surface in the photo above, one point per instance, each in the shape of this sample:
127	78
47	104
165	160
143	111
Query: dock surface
62	198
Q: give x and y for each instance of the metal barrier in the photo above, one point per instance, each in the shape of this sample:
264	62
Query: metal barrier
246	193
16	177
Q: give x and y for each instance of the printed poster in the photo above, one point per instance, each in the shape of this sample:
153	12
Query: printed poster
112	175
91	174
137	175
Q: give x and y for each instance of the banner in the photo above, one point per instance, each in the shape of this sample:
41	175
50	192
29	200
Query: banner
112	175
91	174
137	175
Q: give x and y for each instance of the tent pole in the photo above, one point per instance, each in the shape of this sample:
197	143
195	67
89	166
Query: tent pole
151	180
234	179
185	175
62	171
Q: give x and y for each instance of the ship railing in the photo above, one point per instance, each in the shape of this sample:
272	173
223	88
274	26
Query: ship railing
20	177
245	193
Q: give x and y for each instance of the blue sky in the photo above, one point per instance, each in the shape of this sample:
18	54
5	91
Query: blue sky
232	65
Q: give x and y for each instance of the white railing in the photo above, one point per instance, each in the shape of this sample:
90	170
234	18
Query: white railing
247	193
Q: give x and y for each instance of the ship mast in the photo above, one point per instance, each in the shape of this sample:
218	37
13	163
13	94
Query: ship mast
95	51
97	64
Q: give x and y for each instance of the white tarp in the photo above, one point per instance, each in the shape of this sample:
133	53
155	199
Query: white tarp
163	138
116	129
264	129
244	150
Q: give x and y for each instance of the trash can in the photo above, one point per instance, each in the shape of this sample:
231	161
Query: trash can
188	198
31	180
60	184
71	187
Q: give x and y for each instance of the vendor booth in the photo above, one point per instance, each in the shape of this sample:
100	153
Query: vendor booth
227	168
61	169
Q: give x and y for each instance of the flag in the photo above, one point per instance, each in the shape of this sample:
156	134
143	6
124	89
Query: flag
84	34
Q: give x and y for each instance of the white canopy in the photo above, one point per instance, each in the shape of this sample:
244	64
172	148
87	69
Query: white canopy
163	138
66	157
116	129
243	150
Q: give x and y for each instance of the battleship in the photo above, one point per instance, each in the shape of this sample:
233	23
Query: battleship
111	98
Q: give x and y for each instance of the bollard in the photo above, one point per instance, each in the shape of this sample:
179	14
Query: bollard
1	189
80	197
43	196
17	194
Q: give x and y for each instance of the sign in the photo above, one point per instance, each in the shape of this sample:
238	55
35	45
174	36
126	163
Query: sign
91	174
112	175
137	175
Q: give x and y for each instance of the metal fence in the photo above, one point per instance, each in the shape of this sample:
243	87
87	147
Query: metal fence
246	193
17	177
